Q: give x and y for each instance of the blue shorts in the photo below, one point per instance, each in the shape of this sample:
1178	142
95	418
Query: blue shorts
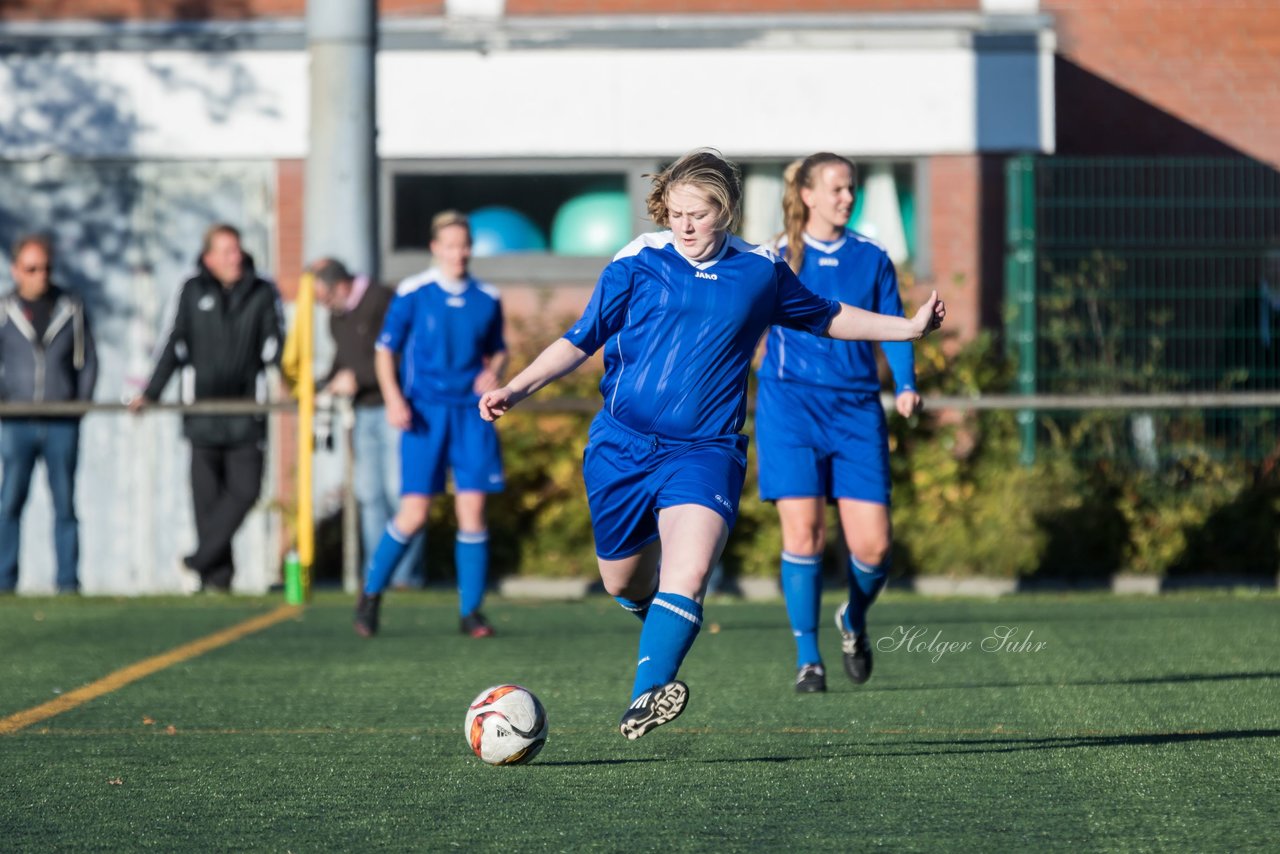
449	436
631	476
815	442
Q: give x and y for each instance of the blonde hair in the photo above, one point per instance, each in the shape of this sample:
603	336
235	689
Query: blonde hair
795	213
447	219
213	231
707	171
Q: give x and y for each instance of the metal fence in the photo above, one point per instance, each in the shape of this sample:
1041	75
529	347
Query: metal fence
1141	276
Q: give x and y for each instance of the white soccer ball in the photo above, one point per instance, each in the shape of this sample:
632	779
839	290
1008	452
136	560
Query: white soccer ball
506	725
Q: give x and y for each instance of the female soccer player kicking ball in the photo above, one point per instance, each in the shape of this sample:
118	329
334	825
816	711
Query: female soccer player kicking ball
679	314
445	328
820	427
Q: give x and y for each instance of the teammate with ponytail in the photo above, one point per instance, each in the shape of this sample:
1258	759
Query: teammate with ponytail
820	428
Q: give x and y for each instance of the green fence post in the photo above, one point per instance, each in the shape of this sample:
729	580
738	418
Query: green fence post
1020	279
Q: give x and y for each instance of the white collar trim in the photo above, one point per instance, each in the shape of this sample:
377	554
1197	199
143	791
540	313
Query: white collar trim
822	246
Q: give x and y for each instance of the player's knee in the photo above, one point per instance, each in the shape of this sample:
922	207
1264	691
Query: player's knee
871	551
804	541
618	588
411	518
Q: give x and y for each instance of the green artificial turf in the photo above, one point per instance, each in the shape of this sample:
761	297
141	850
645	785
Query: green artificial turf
1138	724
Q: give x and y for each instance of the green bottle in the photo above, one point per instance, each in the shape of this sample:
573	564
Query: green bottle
295	584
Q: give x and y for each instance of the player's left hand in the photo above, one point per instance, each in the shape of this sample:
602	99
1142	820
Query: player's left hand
907	403
497	403
486	380
930	315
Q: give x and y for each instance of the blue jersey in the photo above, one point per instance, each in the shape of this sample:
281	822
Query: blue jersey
679	335
443	334
856	271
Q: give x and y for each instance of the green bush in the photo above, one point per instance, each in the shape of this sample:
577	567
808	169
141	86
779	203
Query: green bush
963	504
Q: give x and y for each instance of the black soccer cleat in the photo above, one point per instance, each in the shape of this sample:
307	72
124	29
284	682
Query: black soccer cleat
660	705
811	679
856	649
367	608
475	625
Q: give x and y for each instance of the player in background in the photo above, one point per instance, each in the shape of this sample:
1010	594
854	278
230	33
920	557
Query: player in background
820	427
441	347
679	314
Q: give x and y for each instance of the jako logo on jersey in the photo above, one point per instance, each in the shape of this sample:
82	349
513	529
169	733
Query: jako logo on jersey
723	501
206	303
828	262
698	274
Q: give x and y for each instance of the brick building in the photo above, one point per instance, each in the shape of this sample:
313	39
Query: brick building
127	125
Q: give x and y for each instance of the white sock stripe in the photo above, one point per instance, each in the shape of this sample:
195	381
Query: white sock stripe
807	560
480	537
396	535
675	609
862	567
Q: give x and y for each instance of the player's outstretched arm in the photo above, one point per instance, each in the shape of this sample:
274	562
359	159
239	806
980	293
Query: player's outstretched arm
552	363
856	324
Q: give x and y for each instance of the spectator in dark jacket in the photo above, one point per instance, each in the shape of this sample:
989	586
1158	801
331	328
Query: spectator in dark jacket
224	332
46	355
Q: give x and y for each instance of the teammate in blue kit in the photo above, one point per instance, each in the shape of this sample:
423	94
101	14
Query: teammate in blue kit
678	314
445	329
820	427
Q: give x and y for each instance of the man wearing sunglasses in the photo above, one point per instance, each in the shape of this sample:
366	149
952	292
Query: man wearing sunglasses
46	355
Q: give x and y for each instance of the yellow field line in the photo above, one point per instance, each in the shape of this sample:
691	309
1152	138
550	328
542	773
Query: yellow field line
142	669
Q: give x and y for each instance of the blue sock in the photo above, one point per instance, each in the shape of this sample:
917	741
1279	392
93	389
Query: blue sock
668	633
802	589
471	556
865	584
386	556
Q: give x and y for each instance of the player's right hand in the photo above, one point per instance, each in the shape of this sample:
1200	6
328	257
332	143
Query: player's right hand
495	404
399	413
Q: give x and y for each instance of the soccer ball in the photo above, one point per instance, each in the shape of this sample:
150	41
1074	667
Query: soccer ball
506	725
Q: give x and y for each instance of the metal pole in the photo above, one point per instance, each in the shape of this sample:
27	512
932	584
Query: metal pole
340	213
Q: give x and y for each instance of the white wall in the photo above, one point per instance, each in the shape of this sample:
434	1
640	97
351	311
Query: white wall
238	105
933	96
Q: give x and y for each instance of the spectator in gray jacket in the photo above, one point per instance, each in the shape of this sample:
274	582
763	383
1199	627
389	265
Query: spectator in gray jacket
46	355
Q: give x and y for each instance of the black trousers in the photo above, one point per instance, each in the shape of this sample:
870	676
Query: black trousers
225	484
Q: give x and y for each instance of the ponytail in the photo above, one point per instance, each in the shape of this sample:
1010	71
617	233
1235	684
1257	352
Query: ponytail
795	213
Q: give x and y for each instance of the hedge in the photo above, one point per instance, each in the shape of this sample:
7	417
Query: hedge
963	505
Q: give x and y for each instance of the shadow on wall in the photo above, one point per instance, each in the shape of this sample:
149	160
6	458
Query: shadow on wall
1094	118
1098	118
69	132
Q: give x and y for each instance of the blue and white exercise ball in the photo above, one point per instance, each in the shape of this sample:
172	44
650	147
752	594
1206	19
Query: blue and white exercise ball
498	230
